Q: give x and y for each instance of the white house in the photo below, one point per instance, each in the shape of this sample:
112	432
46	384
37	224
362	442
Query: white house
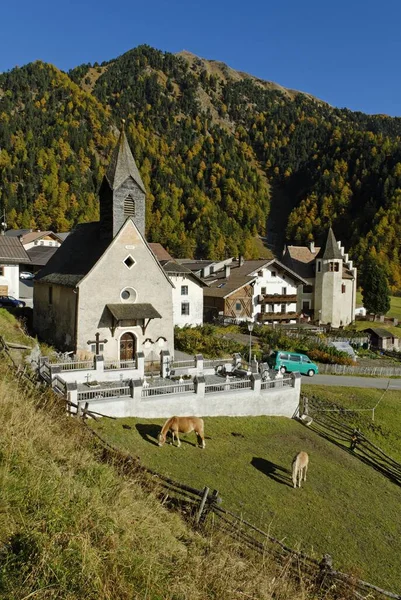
259	290
12	255
187	291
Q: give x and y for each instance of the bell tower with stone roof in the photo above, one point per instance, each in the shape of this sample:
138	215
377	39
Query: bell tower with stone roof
328	282
122	193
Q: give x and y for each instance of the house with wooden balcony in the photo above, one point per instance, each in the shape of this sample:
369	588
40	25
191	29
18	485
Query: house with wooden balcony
241	290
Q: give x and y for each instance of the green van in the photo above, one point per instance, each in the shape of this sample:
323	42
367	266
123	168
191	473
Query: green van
282	360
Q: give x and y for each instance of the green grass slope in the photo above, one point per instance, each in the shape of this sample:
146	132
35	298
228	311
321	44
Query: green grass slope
345	509
71	528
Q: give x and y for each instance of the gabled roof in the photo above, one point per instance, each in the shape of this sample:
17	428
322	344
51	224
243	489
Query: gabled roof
79	253
301	260
122	165
159	251
241	275
380	332
331	249
40	255
12	251
17	232
75	257
27	235
171	267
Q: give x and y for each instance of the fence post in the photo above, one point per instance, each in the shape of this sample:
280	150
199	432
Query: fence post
165	363
199	363
325	570
98	363
256	382
202	505
199	384
72	396
140	364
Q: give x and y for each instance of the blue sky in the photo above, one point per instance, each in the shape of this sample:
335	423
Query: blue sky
344	52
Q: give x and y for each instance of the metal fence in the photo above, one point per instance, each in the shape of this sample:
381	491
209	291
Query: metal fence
78	365
227	386
179	364
160	390
119	364
274	383
114	392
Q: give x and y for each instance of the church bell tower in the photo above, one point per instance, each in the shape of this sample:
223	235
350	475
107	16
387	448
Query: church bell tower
122	193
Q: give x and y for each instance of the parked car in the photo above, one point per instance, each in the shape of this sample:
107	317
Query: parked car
282	360
11	301
26	275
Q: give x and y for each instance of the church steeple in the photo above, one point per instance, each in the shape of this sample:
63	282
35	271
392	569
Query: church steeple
122	193
331	249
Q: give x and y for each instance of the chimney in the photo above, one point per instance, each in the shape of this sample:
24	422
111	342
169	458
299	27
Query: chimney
312	247
205	271
241	260
227	271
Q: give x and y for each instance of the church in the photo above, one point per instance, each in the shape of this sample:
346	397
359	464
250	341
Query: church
104	291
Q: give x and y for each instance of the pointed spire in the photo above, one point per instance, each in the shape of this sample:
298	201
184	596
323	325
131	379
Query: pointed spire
122	164
331	249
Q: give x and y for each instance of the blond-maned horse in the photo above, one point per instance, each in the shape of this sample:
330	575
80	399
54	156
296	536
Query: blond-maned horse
299	468
182	425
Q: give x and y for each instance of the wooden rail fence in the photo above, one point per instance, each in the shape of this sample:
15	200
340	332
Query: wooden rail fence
196	504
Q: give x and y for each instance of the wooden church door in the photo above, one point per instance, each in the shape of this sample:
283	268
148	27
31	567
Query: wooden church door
127	346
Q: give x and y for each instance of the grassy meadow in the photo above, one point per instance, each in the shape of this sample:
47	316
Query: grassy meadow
395	305
71	528
346	508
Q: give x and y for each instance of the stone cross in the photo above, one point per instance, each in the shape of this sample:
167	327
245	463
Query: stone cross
97	341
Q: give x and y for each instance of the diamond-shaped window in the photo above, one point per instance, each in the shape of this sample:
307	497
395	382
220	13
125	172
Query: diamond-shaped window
129	262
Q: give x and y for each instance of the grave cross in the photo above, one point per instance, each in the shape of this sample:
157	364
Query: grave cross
97	341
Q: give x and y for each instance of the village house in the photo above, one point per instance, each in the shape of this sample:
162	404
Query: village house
262	290
39	245
12	255
382	338
329	295
104	291
187	290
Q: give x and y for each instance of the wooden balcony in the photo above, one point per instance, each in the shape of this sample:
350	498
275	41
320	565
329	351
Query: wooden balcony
276	298
270	316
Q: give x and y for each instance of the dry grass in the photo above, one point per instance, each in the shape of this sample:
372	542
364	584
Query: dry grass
71	528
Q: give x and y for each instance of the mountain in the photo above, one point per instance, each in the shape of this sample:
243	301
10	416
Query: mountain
224	156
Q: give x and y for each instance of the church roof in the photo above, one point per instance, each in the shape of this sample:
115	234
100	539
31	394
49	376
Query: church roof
122	165
75	257
331	250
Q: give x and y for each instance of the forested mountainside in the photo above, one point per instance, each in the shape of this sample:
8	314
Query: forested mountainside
215	149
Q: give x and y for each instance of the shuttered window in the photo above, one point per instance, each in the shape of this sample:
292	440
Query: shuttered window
129	206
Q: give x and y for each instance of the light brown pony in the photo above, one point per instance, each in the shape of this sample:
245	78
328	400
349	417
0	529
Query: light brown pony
182	425
299	468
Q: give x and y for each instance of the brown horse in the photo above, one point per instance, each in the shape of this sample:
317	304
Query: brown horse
182	425
299	468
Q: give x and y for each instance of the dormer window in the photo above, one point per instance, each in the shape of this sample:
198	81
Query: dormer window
129	206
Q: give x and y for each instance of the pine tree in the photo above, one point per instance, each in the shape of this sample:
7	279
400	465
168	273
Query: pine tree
375	289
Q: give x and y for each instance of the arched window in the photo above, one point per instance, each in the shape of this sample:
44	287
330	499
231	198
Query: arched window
129	206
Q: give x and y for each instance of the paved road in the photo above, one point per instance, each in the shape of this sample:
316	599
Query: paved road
25	288
351	381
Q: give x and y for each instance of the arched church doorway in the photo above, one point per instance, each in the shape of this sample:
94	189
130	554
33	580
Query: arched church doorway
127	346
